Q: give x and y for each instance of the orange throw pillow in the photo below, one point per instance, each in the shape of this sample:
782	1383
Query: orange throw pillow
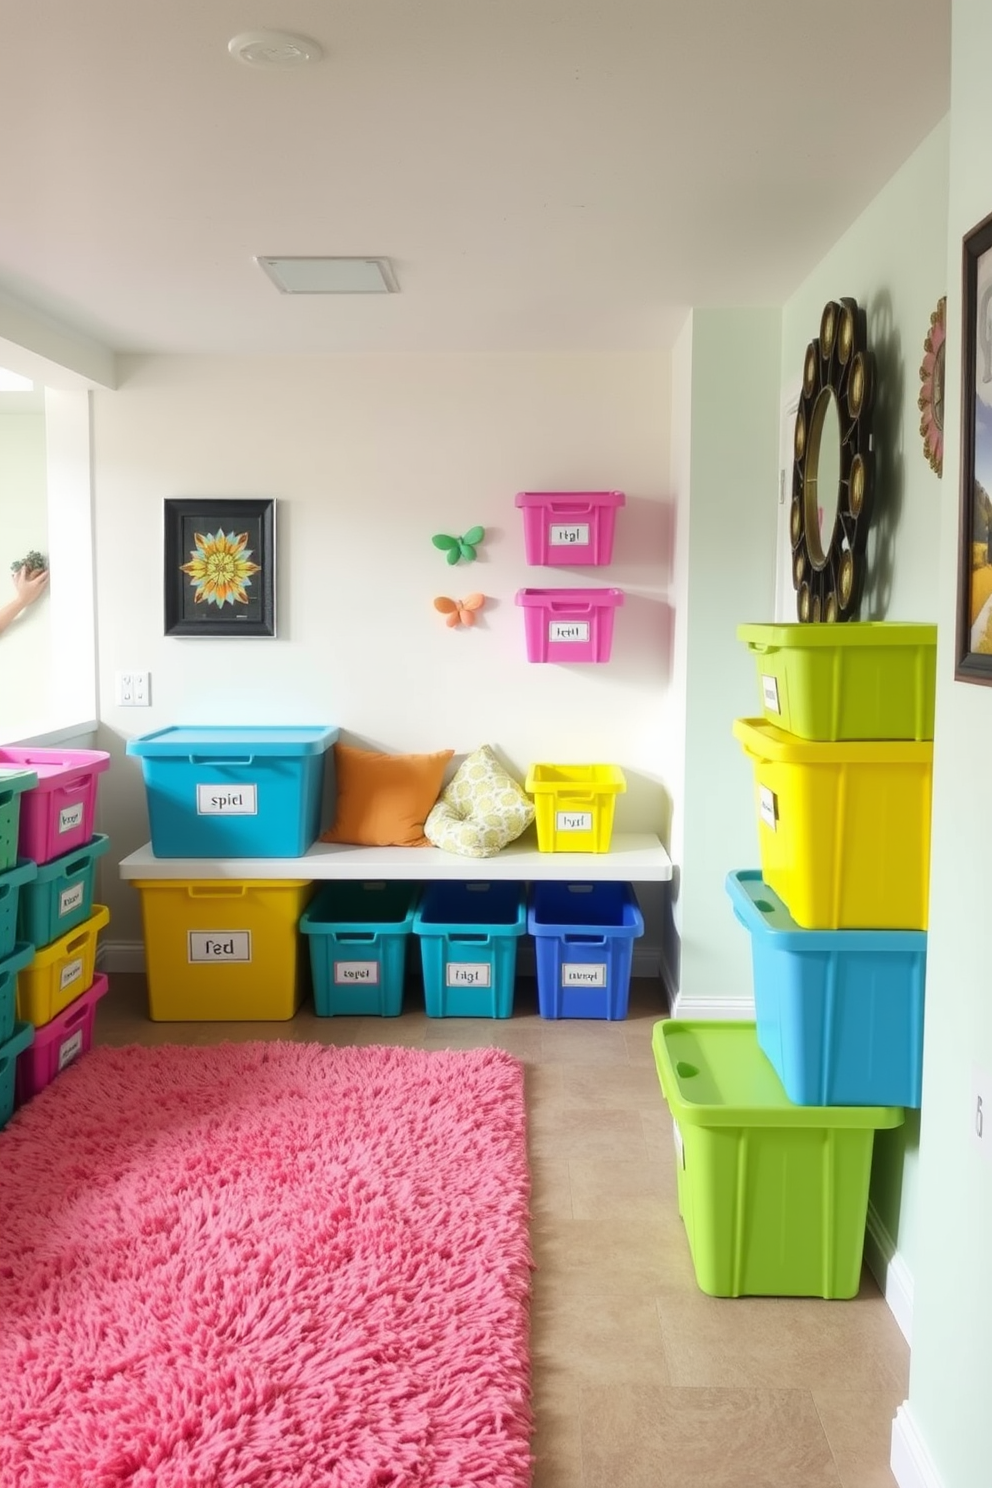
383	799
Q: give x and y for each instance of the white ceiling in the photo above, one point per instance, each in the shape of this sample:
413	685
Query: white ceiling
543	174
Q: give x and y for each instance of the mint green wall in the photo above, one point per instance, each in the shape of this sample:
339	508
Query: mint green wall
726	546
893	261
952	1315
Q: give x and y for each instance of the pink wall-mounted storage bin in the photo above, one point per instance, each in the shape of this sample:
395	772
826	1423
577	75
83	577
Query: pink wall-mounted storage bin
569	527
569	624
57	814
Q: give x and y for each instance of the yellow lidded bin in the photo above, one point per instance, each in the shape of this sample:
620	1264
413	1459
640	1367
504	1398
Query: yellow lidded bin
844	829
574	806
222	950
61	971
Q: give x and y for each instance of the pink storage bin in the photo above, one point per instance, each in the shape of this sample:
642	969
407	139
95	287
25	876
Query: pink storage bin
569	527
57	814
59	1043
569	624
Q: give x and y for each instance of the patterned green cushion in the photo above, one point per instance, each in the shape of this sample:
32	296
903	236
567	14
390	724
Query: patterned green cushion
480	810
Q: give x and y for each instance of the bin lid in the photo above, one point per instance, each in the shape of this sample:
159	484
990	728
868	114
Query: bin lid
765	741
794	634
714	1073
762	912
222	739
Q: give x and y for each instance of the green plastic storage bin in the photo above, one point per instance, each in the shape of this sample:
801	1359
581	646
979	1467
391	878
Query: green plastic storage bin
872	679
359	933
60	895
13	783
774	1196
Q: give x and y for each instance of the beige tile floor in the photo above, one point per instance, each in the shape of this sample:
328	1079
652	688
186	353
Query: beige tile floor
641	1381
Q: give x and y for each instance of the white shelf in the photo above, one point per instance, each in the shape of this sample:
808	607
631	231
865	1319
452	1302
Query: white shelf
634	857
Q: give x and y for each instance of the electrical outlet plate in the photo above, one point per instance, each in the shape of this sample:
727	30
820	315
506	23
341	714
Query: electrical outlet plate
134	689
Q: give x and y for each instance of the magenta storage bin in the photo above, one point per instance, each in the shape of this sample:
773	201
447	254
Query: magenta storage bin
569	527
59	1043
569	624
57	814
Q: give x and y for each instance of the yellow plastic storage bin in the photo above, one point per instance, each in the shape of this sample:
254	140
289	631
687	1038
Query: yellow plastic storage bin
774	1196
843	829
574	806
872	679
223	950
61	971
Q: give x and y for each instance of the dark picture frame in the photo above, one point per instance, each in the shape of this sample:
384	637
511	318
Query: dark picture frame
220	567
974	617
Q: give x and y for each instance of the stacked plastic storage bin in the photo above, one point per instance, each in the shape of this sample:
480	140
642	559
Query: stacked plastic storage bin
216	948
15	1034
56	920
842	763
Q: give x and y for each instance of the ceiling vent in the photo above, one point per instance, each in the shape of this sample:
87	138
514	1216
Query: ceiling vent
330	275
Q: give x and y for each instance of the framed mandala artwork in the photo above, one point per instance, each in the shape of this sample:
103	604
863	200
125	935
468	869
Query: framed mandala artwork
974	629
931	399
220	568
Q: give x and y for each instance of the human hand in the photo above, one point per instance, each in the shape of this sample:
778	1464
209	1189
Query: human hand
30	583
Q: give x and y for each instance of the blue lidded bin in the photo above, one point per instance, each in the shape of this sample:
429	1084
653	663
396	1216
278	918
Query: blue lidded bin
584	936
237	792
839	1012
468	946
359	934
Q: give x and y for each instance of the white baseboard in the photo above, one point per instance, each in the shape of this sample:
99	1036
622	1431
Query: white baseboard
895	1280
910	1461
714	1007
129	955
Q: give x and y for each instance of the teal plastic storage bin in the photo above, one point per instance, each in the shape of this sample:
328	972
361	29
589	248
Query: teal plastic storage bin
839	1012
584	937
468	936
60	896
21	1039
216	792
12	888
359	934
13	783
20	957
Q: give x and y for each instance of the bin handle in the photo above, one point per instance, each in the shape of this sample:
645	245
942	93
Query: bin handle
77	1016
215	891
76	867
584	939
469	939
210	759
569	506
355	935
557	606
761	648
68	787
74	945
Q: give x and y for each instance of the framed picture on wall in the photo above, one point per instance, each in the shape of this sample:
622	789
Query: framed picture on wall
220	567
974	621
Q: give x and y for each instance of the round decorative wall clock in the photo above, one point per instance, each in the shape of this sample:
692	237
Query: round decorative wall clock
931	399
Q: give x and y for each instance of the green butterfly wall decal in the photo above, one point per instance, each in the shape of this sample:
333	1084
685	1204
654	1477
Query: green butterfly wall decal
459	547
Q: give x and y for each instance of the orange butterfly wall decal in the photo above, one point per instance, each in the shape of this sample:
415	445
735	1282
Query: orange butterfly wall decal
461	611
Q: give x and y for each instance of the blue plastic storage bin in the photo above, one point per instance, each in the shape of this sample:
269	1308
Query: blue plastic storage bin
60	896
468	936
216	792
20	957
12	888
22	1038
359	934
839	1012
584	936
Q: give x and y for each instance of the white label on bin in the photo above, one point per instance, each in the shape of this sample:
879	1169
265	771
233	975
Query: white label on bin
219	945
769	689
71	817
768	807
568	535
72	897
583	974
71	972
573	821
347	973
568	630
467	974
227	800
72	1047
679	1149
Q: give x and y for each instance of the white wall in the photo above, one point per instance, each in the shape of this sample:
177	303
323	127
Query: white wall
25	645
367	458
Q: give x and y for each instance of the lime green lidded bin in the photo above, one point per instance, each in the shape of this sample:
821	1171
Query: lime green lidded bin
774	1196
872	679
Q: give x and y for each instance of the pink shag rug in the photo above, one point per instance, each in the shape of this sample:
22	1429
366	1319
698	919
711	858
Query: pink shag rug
267	1265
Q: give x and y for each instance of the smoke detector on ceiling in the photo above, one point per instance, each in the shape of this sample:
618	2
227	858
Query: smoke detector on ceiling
330	275
274	49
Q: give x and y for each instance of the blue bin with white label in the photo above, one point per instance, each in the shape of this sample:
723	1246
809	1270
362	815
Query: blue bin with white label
359	935
584	937
238	792
468	935
60	894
